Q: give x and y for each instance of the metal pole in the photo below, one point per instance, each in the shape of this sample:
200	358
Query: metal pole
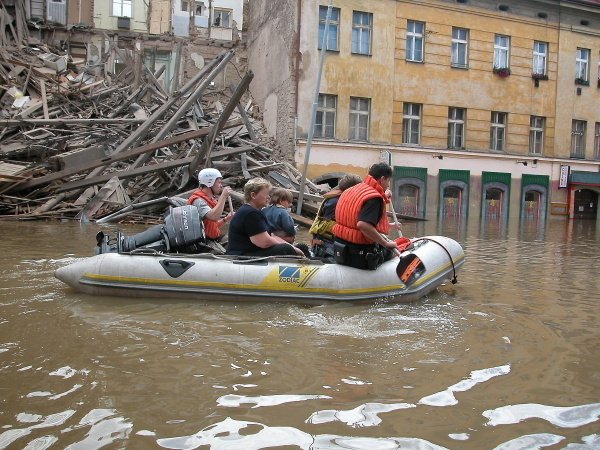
313	115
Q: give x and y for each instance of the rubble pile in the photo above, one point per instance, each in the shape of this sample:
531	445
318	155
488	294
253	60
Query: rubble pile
77	145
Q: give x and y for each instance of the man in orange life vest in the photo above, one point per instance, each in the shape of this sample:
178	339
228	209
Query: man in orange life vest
210	200
361	222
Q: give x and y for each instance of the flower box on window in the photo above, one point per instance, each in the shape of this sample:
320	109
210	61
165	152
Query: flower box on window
539	76
582	82
502	72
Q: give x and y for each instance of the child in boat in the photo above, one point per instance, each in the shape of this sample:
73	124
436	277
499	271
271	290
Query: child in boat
280	221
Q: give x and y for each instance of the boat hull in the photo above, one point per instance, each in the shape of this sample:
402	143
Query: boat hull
211	277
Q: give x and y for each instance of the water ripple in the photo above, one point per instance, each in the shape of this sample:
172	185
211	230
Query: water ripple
530	442
564	417
232	400
53	420
231	434
446	397
362	416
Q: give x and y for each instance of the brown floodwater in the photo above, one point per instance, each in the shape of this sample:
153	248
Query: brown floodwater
508	358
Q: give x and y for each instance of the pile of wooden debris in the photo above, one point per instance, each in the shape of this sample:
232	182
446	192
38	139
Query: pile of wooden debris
73	145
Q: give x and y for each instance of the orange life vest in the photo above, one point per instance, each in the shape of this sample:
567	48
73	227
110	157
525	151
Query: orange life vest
348	208
211	227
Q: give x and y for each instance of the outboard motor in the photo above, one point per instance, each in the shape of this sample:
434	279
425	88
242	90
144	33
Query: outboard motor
152	235
182	231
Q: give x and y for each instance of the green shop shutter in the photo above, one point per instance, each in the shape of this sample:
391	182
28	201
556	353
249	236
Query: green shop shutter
495	177
454	175
540	180
590	178
419	173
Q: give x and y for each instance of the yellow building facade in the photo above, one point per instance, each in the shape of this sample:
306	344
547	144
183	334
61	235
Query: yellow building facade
483	109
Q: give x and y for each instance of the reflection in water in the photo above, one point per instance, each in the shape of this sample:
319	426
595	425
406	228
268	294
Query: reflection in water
564	417
519	328
531	442
104	429
446	398
232	434
232	401
362	416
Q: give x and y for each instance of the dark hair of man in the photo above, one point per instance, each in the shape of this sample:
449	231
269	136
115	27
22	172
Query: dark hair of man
380	170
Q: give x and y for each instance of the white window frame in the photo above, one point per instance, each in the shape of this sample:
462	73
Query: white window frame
458	42
220	13
326	108
597	141
578	129
582	64
361	110
415	41
498	131
456	127
333	34
122	8
540	58
362	31
501	51
411	123
536	134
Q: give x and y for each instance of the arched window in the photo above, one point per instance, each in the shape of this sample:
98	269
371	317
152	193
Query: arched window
494	202
452	201
408	199
532	204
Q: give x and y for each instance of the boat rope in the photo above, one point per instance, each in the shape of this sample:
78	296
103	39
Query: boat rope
254	259
454	279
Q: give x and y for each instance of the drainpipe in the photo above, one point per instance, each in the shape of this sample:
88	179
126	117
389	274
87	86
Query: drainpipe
313	114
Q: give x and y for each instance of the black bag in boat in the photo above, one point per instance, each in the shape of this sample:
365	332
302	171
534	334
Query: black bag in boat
366	257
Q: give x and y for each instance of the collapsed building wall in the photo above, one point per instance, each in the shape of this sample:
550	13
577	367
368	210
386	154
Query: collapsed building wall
272	58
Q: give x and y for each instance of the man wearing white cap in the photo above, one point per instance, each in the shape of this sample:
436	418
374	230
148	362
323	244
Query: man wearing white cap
210	200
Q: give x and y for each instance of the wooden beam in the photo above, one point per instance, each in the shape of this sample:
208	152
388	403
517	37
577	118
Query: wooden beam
104	121
120	157
209	142
86	182
44	99
101	179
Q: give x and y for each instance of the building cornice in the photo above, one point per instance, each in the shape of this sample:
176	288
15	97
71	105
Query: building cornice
445	153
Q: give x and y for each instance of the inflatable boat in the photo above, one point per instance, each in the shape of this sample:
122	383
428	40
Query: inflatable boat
149	272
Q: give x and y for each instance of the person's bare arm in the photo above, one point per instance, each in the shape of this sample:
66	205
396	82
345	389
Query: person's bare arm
217	211
371	233
265	240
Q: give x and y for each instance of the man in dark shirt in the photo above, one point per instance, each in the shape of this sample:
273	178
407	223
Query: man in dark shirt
361	222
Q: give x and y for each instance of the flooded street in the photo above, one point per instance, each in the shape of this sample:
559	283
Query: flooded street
508	358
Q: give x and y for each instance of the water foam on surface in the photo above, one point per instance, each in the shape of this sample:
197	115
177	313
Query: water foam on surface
446	397
564	417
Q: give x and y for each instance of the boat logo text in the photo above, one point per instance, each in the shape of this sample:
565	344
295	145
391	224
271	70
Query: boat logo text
289	274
